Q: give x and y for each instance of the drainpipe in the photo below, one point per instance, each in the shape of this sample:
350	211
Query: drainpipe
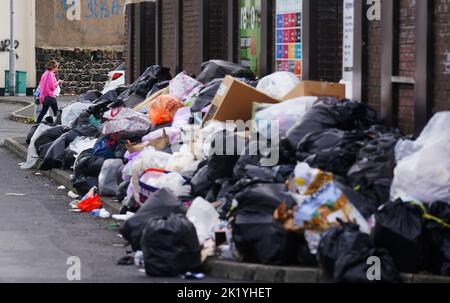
12	55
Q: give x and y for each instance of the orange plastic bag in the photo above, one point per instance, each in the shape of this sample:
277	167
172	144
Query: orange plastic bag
90	204
163	109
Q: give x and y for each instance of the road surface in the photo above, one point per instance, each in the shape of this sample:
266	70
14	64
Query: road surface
38	233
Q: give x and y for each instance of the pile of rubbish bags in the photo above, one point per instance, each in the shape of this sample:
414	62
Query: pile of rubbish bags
344	189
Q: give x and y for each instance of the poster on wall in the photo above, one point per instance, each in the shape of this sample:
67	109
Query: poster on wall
289	36
250	34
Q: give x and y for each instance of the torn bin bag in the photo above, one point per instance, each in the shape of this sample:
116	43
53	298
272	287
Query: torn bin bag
170	246
399	229
161	204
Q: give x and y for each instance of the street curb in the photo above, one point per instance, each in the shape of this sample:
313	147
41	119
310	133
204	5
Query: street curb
14	116
216	268
283	274
60	176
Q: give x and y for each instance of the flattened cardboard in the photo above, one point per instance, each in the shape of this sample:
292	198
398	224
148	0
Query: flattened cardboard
234	101
317	89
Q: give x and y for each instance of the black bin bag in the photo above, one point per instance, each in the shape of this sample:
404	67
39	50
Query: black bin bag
54	157
200	183
338	241
438	235
346	115
83	184
353	267
260	239
331	150
399	229
90	95
170	246
373	170
45	140
215	69
206	95
222	159
160	204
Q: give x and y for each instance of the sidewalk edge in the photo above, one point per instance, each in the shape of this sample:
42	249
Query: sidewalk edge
58	175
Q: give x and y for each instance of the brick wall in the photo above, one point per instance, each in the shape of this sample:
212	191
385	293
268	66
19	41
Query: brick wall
329	44
147	50
168	34
407	65
191	36
371	64
441	82
217	34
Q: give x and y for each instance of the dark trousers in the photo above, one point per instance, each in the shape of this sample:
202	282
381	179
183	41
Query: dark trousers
48	102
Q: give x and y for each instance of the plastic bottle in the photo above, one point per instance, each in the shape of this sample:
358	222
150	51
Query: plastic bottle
101	213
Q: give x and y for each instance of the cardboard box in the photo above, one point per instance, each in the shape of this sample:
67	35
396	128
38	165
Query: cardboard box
317	89
234	101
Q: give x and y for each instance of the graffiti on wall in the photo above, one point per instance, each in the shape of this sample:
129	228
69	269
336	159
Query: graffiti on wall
73	10
4	46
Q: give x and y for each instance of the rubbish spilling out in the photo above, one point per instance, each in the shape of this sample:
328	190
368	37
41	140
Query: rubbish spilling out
273	171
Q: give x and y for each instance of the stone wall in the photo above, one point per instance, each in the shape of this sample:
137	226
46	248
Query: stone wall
82	70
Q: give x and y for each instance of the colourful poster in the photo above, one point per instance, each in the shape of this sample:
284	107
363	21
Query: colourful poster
250	34
289	36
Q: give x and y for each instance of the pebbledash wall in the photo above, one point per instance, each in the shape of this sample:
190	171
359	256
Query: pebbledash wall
87	38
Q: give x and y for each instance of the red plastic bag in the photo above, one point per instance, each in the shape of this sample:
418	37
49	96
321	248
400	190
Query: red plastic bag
163	109
91	203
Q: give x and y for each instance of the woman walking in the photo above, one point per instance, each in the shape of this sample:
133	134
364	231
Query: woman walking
47	88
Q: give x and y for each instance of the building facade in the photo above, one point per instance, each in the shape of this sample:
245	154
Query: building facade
25	41
87	38
399	50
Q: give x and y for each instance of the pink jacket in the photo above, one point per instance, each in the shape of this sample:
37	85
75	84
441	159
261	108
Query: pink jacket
48	85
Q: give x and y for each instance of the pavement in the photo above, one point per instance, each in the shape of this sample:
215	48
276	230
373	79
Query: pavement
10	128
25	111
50	227
38	232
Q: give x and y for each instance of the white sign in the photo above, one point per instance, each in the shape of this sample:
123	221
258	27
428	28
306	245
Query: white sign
347	48
288	6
